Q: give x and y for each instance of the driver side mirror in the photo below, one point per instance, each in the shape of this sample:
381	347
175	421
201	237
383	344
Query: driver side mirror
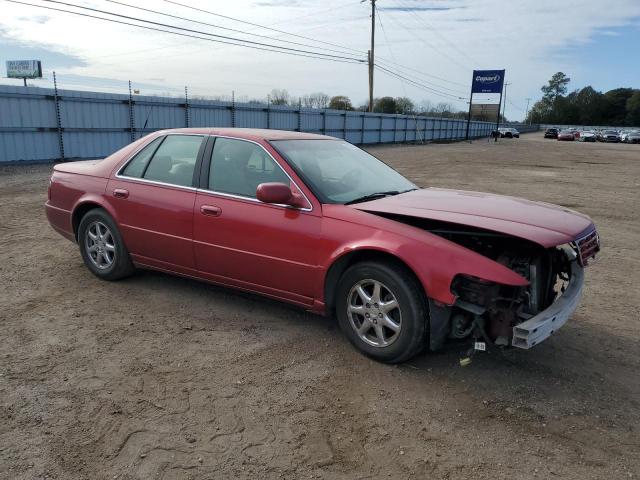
279	193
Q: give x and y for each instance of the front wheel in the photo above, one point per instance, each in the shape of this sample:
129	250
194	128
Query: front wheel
102	247
381	308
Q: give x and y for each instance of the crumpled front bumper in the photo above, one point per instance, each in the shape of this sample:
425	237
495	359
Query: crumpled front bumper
540	327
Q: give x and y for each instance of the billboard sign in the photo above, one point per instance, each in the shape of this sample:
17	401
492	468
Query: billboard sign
487	81
24	69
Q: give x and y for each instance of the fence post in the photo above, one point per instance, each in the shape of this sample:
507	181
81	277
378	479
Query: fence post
56	99
300	114
344	126
186	107
406	126
395	127
131	119
362	135
324	122
233	108
380	130
268	111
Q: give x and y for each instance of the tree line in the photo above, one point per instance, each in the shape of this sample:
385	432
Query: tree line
387	104
586	106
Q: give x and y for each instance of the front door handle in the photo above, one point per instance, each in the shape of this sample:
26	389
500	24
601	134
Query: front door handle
120	193
211	210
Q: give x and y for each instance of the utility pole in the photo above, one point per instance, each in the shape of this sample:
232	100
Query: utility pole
371	53
504	106
526	114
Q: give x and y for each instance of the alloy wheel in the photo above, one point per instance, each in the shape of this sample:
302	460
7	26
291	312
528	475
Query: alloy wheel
100	245
374	313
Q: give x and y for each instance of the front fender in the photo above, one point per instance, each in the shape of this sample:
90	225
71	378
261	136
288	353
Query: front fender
434	260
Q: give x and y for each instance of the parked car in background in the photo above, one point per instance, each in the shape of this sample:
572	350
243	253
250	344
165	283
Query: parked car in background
551	133
587	136
507	132
610	136
566	136
631	137
317	222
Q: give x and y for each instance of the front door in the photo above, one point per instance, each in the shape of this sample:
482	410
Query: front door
240	240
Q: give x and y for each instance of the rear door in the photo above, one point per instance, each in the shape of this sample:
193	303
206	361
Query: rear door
153	196
242	241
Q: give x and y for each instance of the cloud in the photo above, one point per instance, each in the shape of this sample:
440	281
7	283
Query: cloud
35	19
418	9
445	39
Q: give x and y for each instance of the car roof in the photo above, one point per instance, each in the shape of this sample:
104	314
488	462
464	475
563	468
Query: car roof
254	134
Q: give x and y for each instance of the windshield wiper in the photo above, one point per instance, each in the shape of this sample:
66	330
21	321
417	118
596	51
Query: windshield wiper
374	196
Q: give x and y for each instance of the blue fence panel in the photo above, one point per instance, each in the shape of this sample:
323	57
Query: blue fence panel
93	125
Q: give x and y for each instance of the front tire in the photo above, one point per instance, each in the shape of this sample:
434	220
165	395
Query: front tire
382	310
102	247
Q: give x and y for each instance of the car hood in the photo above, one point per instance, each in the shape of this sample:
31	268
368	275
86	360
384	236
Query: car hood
545	224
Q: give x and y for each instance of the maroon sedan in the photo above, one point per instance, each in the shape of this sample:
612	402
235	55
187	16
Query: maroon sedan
567	135
319	223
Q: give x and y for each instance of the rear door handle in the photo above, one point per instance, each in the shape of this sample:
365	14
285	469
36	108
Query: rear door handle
211	210
120	193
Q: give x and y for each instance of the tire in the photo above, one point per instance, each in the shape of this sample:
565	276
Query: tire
102	248
410	317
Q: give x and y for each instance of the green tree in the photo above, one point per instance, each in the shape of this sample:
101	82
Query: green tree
590	104
404	105
340	102
615	105
385	105
633	109
556	87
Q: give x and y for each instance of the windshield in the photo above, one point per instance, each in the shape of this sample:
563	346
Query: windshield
338	172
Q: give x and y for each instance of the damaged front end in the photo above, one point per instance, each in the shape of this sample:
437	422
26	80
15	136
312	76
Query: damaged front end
518	316
487	313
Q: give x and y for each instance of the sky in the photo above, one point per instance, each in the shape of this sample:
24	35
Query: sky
434	44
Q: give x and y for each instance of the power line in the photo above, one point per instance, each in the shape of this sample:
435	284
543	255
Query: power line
395	61
421	39
422	86
434	30
419	73
157	12
260	26
225	39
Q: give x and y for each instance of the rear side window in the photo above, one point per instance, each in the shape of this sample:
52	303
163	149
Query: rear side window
238	167
174	161
135	168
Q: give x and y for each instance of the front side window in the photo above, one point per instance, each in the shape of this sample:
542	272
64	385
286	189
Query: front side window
174	161
238	167
339	172
135	168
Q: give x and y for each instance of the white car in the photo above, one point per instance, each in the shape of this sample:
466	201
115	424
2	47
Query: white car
587	136
509	133
631	137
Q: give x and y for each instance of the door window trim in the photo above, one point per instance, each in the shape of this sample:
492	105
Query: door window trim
196	171
206	168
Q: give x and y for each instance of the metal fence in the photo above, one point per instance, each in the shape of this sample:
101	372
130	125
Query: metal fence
43	124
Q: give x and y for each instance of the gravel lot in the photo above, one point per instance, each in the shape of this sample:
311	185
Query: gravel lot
162	377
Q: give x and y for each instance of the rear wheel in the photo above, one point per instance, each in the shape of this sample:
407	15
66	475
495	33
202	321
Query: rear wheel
102	247
381	308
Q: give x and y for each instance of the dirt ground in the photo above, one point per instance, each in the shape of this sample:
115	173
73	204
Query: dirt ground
162	377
